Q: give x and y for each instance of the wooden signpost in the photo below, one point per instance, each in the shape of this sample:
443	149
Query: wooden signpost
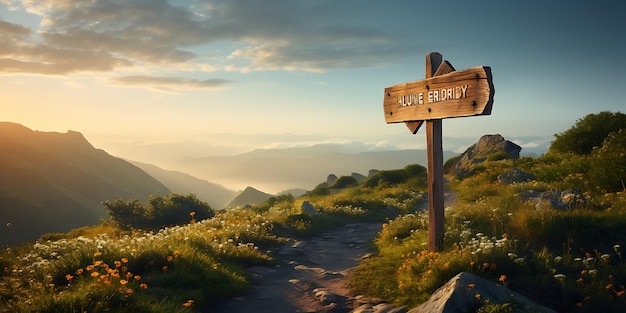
445	93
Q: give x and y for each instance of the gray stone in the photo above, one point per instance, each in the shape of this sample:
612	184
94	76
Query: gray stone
365	308
515	176
528	195
330	179
372	172
308	209
358	177
326	297
487	145
459	295
554	199
573	198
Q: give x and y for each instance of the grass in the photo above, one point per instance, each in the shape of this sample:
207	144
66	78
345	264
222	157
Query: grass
175	269
570	260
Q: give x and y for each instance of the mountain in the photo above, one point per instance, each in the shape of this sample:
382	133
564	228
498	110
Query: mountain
215	195
281	169
54	182
249	196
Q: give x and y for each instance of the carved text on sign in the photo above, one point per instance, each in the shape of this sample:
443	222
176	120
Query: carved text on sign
456	92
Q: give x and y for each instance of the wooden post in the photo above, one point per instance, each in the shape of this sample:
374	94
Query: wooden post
435	185
445	93
434	146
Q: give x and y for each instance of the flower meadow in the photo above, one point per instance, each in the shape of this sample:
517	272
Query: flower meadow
170	270
568	260
184	268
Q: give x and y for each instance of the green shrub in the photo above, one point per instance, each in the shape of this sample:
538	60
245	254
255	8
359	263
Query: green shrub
608	163
588	133
344	182
173	209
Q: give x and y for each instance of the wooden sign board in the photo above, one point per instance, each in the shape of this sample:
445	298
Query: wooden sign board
459	93
445	93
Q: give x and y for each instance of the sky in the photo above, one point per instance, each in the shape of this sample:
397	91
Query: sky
219	77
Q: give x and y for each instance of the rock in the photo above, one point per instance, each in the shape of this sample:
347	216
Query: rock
388	308
297	248
528	195
459	294
554	199
515	176
358	177
486	146
365	308
308	209
326	297
390	210
372	172
573	198
330	179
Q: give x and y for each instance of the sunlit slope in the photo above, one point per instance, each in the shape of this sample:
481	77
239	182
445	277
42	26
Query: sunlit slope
53	182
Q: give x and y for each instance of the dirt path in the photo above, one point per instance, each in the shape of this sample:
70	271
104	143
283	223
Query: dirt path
310	275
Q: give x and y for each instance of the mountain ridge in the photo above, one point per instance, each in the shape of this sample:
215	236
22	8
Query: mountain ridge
54	182
275	170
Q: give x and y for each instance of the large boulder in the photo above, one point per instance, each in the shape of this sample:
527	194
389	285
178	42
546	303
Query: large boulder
554	199
308	209
466	292
515	176
487	145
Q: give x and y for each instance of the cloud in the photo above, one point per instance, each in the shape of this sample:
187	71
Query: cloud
105	35
170	83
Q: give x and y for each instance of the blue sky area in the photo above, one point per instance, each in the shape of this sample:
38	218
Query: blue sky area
234	75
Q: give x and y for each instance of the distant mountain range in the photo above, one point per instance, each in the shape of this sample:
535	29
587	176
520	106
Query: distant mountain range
215	195
249	195
274	170
54	182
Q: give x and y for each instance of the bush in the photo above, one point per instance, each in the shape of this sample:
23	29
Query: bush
588	133
394	177
608	168
173	209
344	182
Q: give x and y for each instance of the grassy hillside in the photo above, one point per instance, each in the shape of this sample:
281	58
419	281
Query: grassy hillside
53	182
569	259
182	268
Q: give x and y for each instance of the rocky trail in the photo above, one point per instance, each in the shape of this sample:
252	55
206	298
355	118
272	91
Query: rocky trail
311	275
